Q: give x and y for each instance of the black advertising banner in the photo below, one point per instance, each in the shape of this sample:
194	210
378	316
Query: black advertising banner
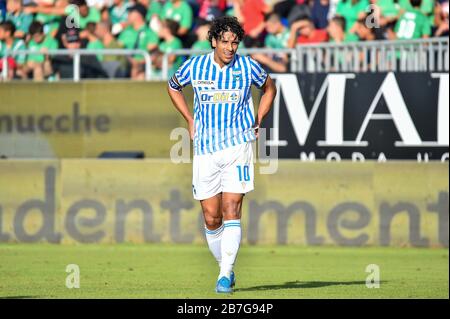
371	116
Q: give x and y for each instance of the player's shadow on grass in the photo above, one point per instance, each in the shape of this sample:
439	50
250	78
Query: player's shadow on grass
303	285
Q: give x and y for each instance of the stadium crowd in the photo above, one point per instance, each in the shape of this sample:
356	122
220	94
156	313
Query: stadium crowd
159	26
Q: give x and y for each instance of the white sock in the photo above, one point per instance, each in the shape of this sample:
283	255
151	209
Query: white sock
231	239
213	237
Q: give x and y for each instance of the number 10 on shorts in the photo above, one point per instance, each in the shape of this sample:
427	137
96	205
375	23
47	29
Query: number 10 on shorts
244	172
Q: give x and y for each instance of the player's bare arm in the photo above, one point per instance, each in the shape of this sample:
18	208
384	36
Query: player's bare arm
269	92
179	101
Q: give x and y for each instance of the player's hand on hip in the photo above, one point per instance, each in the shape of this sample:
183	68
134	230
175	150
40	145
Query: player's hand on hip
256	129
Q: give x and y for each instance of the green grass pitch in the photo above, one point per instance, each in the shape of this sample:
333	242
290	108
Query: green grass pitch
189	271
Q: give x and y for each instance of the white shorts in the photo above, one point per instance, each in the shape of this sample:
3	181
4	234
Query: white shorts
229	170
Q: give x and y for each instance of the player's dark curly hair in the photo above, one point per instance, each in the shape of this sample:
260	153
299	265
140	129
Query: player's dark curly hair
225	24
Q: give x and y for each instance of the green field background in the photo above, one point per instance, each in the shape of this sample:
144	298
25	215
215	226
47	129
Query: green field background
189	271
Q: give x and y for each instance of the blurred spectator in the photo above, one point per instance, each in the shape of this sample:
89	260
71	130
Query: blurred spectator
93	42
352	11
167	33
71	39
39	64
300	9
441	19
382	15
277	38
251	15
389	11
413	24
426	7
202	42
277	34
291	10
283	7
90	67
78	12
319	13
211	9
138	36
118	12
303	31
84	14
11	63
51	22
137	24
114	65
16	15
153	16
336	30
154	9
385	12
179	11
363	31
10	43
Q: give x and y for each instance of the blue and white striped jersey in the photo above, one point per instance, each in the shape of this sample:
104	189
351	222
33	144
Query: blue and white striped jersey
223	105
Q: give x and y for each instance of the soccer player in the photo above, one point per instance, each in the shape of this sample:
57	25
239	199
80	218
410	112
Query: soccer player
222	128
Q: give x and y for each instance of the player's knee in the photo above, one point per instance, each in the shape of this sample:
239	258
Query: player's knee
230	210
212	222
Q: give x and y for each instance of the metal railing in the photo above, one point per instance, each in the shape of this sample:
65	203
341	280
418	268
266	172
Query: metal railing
375	56
430	55
76	58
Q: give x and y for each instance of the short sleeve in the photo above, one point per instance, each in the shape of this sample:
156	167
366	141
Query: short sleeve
259	75
183	74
